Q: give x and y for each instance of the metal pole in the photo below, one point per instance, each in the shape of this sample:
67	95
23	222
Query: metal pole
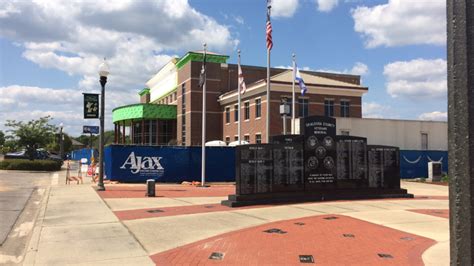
460	40
293	96
267	124
284	124
61	143
239	98
100	185
203	141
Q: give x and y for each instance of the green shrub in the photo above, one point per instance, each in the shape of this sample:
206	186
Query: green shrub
445	178
36	165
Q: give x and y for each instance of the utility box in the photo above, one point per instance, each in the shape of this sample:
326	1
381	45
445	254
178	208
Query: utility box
150	188
435	171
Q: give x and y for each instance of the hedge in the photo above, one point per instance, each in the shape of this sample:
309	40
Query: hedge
36	165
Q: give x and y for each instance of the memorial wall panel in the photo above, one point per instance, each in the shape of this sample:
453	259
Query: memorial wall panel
351	161
319	151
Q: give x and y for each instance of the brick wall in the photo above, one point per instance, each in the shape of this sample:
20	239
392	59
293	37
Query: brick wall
223	78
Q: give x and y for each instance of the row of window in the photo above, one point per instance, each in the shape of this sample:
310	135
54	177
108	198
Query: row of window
169	99
183	117
303	109
329	108
258	139
258	111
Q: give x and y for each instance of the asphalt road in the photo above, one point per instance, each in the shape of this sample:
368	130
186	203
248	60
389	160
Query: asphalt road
20	195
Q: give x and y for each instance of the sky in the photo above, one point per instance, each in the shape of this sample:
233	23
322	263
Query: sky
50	50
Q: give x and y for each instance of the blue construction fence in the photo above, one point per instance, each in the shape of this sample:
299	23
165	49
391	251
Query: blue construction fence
178	163
168	163
77	155
414	163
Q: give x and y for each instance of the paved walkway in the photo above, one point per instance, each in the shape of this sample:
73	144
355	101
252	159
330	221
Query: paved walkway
186	225
76	227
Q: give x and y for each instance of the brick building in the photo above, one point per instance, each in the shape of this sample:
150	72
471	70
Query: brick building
176	98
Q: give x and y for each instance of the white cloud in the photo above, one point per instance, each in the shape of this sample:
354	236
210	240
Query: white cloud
239	20
326	5
284	8
74	36
375	110
137	37
434	116
402	22
417	79
358	68
63	105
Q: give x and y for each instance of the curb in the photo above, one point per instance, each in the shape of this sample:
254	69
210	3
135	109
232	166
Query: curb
32	249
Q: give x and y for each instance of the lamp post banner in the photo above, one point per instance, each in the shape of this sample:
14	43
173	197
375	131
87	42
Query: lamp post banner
91	105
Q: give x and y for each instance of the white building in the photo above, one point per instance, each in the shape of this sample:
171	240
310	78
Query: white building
406	134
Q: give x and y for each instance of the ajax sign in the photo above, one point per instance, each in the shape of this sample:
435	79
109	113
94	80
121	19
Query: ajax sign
144	165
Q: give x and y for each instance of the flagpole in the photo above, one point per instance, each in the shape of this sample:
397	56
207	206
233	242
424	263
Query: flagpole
203	141
267	125
239	98
293	115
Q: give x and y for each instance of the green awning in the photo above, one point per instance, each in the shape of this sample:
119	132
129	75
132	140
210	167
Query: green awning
144	111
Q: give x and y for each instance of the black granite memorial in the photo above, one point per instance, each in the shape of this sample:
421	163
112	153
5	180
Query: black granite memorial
320	151
288	167
254	169
383	166
351	161
315	166
280	139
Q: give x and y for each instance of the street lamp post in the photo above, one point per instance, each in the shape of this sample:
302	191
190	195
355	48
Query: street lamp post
61	141
103	73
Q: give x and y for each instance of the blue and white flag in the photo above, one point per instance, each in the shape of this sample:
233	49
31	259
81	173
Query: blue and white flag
300	81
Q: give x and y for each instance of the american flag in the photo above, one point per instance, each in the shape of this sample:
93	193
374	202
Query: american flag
242	86
269	27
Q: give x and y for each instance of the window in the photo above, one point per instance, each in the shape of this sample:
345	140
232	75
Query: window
236	138
303	107
258	108
258	138
227	115
247	138
424	141
227	140
183	114
247	110
345	108
236	113
345	132
328	107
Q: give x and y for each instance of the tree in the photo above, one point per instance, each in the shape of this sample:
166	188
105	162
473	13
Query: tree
33	134
2	138
86	140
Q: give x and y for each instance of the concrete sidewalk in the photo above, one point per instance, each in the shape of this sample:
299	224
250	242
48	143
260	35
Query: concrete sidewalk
76	227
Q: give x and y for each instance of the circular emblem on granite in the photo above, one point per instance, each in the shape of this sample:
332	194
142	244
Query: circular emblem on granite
328	162
328	142
320	152
312	163
312	142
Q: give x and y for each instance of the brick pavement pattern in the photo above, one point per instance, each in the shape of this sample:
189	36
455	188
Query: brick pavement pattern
434	212
171	191
330	239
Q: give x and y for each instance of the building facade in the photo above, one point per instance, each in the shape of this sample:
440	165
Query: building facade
177	85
